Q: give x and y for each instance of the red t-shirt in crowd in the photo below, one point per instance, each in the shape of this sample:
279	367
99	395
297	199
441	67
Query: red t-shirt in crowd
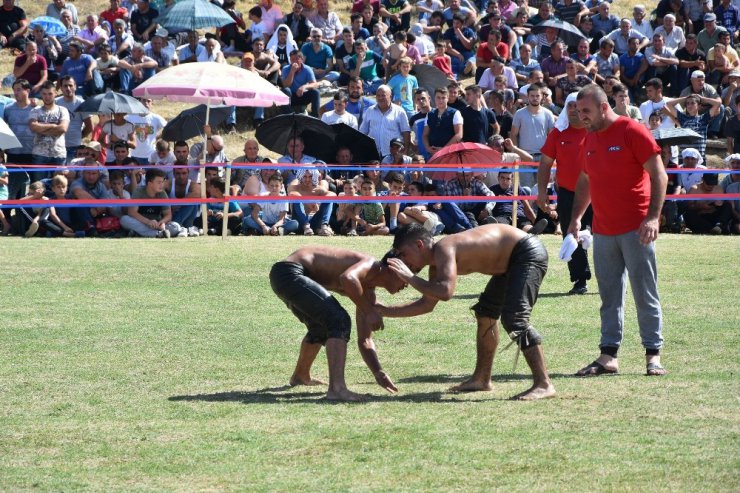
620	186
566	149
486	55
111	16
33	72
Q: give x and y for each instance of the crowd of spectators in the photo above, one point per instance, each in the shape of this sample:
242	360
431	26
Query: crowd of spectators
508	76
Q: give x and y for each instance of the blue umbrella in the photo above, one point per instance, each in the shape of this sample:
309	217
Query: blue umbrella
194	14
51	25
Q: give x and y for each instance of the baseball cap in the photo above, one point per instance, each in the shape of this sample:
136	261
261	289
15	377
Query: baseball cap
397	142
734	73
248	55
94	145
710	17
697	74
417	30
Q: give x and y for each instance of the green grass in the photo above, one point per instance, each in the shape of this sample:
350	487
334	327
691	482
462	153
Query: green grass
146	365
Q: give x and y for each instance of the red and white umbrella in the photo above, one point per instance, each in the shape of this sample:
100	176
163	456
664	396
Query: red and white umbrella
213	84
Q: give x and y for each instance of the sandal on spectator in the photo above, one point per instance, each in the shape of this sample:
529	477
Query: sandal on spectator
655	370
32	229
594	370
307	231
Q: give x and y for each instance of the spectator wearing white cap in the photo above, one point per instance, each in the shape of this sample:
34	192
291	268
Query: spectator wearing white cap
700	87
691	158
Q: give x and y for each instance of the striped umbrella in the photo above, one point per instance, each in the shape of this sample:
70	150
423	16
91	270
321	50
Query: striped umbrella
194	14
51	25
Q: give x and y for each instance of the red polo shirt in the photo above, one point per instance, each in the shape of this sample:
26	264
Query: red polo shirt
566	149
620	186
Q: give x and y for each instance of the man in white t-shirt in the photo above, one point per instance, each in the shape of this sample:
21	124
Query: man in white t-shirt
340	114
146	129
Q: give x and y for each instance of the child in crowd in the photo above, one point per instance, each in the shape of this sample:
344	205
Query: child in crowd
61	217
655	120
371	221
347	212
258	27
217	189
271	218
395	52
420	213
442	60
162	156
31	219
403	85
108	66
117	191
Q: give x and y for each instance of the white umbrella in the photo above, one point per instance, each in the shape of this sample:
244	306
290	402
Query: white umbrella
211	83
8	140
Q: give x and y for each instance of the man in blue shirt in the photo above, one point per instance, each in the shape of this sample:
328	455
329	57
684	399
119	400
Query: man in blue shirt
632	65
320	57
299	83
83	69
463	40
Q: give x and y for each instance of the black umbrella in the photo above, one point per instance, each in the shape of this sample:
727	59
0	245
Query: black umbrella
429	77
112	102
189	123
569	33
317	136
362	146
674	136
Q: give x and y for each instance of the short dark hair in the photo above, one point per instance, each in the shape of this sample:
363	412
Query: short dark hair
48	85
655	83
181	143
341	95
394	177
410	233
218	183
256	11
116	174
152	173
23	83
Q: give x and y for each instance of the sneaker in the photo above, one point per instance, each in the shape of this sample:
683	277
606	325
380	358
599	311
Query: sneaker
281	231
182	234
716	230
193	231
352	232
212	232
32	230
579	288
538	227
325	230
231	129
164	234
307	231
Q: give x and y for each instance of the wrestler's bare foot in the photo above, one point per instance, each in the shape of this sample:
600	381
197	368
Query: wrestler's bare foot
296	380
536	392
344	395
473	385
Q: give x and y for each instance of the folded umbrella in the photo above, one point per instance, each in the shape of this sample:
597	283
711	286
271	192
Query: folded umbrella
189	123
429	77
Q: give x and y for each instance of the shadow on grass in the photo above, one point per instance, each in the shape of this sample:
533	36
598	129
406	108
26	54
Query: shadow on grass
563	295
276	395
453	379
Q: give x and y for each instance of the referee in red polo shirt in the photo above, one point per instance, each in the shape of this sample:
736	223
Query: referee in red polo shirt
624	180
564	144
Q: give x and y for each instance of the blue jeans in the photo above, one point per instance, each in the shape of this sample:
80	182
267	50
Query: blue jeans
615	258
310	96
92	86
289	225
318	219
128	83
185	215
372	86
50	161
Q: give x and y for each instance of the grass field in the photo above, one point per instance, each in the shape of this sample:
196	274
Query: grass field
148	365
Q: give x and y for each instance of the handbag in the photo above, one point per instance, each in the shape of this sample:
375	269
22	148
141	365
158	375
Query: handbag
107	224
